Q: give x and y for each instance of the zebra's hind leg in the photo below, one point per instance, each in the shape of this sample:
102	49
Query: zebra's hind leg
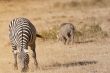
15	56
72	39
33	46
63	39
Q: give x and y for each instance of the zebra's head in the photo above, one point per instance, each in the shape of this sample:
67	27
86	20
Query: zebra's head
24	60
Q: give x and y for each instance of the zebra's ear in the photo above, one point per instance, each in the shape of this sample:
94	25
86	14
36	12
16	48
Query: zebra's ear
26	51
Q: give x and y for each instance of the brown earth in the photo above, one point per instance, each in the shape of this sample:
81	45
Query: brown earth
53	56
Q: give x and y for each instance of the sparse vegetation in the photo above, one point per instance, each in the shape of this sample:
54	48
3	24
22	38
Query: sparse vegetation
51	33
54	57
90	32
86	32
81	3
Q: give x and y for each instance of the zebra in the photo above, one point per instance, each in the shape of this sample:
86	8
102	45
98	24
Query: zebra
22	34
66	33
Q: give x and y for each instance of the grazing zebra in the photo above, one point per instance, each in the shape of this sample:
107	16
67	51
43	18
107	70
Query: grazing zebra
66	33
22	34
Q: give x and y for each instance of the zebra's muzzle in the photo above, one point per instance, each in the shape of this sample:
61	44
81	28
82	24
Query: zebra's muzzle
17	51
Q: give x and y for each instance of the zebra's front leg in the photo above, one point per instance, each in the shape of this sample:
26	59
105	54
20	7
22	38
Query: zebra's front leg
15	57
34	54
15	62
63	39
72	39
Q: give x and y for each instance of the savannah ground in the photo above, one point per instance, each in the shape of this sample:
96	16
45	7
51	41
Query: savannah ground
90	52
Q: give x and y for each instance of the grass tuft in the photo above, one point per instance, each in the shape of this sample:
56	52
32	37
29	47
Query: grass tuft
81	3
51	33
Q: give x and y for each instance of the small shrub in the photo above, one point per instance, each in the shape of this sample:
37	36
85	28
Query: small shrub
90	32
93	31
51	33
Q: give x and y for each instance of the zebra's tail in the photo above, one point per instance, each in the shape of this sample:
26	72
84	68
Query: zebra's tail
37	35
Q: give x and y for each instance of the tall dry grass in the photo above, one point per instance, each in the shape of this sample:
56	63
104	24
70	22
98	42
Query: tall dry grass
88	30
82	3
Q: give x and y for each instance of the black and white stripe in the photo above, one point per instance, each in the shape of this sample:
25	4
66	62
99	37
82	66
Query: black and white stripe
22	34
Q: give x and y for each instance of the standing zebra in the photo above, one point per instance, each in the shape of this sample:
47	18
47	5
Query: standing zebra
22	34
66	33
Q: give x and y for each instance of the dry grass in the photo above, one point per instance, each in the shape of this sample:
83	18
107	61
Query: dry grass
90	31
82	3
92	21
51	33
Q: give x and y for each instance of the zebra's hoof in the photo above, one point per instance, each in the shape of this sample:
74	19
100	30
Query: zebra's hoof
24	70
15	67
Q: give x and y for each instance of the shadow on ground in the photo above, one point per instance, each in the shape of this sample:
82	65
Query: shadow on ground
79	42
80	63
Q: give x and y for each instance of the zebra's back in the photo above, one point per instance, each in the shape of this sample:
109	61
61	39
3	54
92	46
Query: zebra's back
22	31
